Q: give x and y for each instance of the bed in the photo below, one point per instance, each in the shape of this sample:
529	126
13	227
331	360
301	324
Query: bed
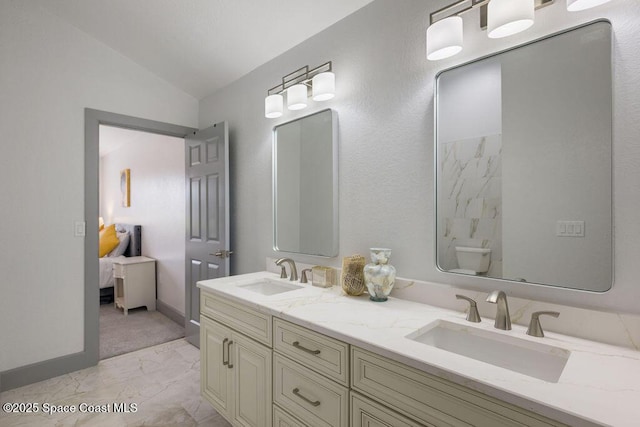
106	263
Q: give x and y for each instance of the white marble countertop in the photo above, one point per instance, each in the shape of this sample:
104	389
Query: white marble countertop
600	384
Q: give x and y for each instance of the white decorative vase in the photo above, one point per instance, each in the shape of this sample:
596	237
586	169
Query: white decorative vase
379	276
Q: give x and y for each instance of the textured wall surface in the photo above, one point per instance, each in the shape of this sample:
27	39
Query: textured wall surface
157	203
49	73
385	106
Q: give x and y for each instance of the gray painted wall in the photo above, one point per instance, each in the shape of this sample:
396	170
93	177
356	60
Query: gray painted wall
50	73
384	102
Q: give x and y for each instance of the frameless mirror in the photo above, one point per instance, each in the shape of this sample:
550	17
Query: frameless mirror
305	185
524	163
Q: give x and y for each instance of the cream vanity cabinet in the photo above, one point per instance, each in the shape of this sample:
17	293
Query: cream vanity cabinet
259	370
235	362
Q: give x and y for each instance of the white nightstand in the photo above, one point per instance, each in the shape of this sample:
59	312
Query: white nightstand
135	283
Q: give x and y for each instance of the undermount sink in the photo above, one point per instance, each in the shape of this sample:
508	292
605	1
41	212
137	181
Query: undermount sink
537	360
268	287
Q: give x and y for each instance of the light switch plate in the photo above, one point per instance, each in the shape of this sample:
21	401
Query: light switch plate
570	228
80	228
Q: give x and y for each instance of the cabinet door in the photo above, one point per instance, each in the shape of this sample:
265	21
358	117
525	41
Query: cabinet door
367	413
216	377
252	380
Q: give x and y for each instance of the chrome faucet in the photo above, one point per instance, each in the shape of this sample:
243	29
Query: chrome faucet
503	321
292	267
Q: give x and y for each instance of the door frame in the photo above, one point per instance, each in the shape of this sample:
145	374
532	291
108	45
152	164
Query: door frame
93	120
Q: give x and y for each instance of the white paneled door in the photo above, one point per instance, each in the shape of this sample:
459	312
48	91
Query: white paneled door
207	237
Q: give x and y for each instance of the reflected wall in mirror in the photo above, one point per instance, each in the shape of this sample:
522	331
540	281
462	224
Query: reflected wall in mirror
305	185
523	163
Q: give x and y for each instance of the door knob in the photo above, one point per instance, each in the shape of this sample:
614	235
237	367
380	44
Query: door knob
222	254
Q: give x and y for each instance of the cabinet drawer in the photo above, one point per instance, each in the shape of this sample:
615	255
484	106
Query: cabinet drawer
325	355
432	400
312	398
118	271
237	316
282	419
367	413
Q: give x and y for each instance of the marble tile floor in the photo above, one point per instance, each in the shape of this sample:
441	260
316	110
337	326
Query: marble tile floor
162	381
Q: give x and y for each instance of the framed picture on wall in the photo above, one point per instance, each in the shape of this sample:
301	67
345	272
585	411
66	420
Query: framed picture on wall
125	187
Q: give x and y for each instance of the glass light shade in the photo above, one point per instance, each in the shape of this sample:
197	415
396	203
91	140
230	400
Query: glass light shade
507	17
324	86
273	106
297	97
444	38
575	5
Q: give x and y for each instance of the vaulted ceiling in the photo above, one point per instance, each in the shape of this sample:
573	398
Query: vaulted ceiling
201	46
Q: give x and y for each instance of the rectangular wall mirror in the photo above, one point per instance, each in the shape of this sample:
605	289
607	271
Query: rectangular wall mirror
524	163
305	185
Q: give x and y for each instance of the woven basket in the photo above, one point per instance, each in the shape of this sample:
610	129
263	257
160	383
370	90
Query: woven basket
352	278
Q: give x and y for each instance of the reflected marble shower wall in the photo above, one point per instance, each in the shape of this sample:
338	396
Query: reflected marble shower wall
470	199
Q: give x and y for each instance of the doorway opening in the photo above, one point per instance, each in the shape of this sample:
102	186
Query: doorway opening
141	202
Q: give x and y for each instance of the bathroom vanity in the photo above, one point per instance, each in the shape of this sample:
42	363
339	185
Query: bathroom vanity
275	352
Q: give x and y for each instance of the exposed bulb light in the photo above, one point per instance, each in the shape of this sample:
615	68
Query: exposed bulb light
576	5
273	106
508	17
297	97
323	86
444	38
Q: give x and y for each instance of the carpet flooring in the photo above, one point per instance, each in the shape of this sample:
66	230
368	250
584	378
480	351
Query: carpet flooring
121	334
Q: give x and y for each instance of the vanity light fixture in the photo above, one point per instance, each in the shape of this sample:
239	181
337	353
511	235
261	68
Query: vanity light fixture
444	38
501	18
297	86
297	97
576	5
323	86
507	17
273	105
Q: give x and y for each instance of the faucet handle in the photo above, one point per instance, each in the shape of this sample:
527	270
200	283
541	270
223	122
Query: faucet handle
283	272
472	315
303	275
535	328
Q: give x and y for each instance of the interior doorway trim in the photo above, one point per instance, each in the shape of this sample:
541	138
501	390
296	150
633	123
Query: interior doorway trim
90	355
93	120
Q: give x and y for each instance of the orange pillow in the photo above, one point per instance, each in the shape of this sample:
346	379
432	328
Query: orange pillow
108	240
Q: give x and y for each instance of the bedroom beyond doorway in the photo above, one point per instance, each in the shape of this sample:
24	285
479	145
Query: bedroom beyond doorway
153	198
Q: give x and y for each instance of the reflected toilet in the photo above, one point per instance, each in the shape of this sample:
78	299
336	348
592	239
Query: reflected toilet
472	261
